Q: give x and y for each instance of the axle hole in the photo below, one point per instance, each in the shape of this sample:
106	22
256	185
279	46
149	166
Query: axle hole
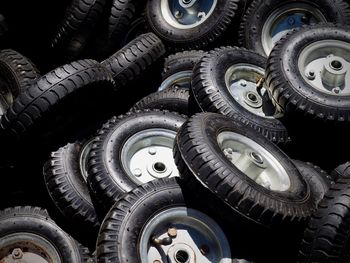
159	167
257	158
182	256
336	65
252	97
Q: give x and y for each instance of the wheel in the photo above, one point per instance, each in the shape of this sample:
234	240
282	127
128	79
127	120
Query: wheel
76	28
341	171
190	24
171	99
307	73
132	60
131	150
136	28
226	81
244	169
17	73
266	22
165	227
178	69
46	115
27	234
326	238
65	175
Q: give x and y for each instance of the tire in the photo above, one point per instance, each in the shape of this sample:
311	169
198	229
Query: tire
110	176
198	155
194	36
17	73
134	214
37	233
293	93
213	93
132	60
41	115
341	171
76	29
66	181
136	28
171	99
326	238
257	18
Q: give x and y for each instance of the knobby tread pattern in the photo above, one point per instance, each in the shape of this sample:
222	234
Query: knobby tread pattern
195	159
341	171
101	184
172	99
48	91
62	191
132	60
286	97
208	96
326	239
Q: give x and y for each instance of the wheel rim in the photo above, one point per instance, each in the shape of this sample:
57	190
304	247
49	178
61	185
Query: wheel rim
83	159
286	18
254	161
183	235
186	14
27	248
241	81
178	80
148	155
6	97
324	65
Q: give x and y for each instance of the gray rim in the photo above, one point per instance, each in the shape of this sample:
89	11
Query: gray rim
183	235
254	161
148	155
241	81
285	18
325	65
6	97
27	248
180	79
83	159
186	14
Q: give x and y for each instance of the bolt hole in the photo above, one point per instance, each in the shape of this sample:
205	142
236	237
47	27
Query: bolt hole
159	167
182	256
336	65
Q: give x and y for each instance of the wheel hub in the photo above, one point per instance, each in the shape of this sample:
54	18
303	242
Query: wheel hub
180	80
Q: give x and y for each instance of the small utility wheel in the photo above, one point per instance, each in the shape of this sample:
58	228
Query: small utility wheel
327	236
266	22
27	234
178	69
163	224
244	169
171	99
190	24
132	60
229	81
17	73
307	73
130	150
65	175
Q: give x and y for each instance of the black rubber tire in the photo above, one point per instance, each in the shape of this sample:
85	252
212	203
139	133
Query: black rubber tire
181	61
76	29
252	23
17	72
36	221
291	93
171	99
198	155
67	187
41	115
196	37
136	28
212	95
132	60
107	184
326	238
126	219
341	171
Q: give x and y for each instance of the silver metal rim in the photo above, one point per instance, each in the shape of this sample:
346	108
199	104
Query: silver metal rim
148	155
325	65
28	248
183	235
180	79
254	161
83	159
186	14
241	81
6	97
285	18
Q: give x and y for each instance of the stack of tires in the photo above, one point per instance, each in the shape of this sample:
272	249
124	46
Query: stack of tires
177	131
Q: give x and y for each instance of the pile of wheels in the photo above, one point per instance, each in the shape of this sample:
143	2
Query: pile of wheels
179	131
